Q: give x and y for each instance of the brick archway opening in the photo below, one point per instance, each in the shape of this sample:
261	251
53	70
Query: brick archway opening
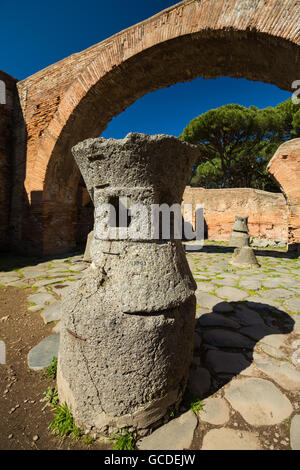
77	97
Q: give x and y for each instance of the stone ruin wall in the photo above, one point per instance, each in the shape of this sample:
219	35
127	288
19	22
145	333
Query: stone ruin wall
7	104
267	211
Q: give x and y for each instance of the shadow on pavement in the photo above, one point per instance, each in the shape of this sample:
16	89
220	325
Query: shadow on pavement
228	341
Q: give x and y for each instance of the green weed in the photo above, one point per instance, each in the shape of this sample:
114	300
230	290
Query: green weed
124	440
63	423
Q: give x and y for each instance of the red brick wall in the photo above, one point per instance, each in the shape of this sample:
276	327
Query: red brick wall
75	98
6	156
285	168
267	211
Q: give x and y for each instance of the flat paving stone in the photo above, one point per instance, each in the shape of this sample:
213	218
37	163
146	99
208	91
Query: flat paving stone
248	317
79	267
229	281
256	332
34	308
250	284
47	282
204	287
216	411
41	355
276	294
206	300
230	439
293	304
296	326
221	362
283	373
52	312
8	279
276	341
261	304
258	401
41	299
223	307
215	319
227	339
33	274
295	433
272	282
233	294
175	435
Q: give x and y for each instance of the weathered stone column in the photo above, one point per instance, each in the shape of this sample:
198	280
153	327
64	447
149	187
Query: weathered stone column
127	329
240	233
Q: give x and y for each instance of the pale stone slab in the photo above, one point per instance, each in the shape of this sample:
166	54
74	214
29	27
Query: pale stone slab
8	279
250	284
52	313
261	304
34	308
79	267
204	287
206	300
233	294
229	281
276	341
258	401
293	304
230	439
216	411
48	281
41	298
296	326
273	282
281	372
295	433
33	274
176	435
41	355
276	294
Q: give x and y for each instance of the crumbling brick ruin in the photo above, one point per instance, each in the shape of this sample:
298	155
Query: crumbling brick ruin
256	40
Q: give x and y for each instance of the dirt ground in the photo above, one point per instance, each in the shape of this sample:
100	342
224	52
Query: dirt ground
22	416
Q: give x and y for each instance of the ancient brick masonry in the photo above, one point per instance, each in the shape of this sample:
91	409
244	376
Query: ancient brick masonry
268	212
8	93
285	168
258	40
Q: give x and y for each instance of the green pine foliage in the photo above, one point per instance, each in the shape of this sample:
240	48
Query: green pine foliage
236	144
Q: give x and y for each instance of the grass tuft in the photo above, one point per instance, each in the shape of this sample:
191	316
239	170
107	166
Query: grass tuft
192	402
124	440
63	423
51	396
51	370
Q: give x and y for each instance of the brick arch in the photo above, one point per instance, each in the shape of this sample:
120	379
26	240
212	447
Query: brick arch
284	167
77	97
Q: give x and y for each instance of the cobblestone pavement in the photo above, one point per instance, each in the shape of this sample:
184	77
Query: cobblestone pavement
246	367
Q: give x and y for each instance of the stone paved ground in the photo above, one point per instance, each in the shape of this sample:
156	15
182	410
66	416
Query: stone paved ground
246	367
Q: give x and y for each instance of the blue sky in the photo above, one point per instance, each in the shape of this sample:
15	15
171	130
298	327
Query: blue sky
36	34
